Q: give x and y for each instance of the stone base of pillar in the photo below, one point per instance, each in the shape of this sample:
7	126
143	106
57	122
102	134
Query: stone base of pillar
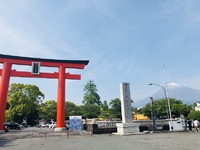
60	129
128	129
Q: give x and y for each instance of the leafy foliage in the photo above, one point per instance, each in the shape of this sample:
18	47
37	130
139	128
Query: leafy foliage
194	115
23	102
105	105
147	110
179	109
71	110
161	108
115	108
48	110
105	114
90	111
91	96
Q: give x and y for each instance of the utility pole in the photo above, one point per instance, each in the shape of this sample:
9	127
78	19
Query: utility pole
169	107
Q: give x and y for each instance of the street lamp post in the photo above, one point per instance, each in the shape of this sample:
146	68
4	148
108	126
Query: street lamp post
169	108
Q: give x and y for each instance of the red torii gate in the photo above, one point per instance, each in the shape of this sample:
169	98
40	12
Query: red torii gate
7	72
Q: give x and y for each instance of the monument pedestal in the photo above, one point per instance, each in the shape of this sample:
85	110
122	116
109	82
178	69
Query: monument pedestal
127	128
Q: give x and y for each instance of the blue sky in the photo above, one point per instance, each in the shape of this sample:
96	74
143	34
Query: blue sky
124	40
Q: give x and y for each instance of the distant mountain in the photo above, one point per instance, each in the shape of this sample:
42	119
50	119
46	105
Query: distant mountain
185	94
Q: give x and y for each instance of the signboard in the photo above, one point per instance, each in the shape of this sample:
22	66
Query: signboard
35	68
75	123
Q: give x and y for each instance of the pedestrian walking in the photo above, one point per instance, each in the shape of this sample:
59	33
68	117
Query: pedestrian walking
196	125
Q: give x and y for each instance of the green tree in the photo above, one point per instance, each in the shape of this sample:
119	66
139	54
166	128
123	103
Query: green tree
90	111
115	108
105	114
180	109
24	101
161	109
71	110
146	110
91	96
105	105
104	110
194	115
47	110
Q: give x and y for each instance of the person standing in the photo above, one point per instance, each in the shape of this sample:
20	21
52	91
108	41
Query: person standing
196	125
186	125
190	125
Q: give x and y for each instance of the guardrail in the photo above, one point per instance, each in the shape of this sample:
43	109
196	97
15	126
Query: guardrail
47	132
107	124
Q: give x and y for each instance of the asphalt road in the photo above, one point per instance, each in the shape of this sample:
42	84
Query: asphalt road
150	141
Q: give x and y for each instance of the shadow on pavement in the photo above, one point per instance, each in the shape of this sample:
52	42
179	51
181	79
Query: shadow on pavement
5	143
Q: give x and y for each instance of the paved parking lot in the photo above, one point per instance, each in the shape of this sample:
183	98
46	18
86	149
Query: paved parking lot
154	141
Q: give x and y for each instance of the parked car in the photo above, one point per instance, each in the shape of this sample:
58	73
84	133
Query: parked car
13	125
43	125
53	125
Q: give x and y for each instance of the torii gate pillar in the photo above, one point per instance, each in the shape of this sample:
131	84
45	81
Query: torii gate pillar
60	124
4	83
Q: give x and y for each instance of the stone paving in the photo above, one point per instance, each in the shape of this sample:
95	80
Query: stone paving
150	141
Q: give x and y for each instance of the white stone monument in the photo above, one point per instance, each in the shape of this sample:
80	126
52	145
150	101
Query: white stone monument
127	127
